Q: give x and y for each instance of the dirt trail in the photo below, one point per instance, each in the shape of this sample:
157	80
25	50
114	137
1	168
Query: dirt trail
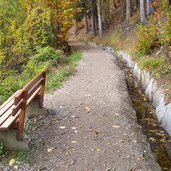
91	124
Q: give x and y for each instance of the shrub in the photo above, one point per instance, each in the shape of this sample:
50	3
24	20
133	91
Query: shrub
166	36
44	58
48	53
148	37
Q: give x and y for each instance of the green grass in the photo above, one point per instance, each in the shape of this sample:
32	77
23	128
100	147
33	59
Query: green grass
55	76
152	63
23	156
2	148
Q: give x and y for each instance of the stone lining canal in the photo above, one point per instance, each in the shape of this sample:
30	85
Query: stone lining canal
158	138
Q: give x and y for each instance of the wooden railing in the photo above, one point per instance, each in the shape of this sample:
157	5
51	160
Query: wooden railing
12	112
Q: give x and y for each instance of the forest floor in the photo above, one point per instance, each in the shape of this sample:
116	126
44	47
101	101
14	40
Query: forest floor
91	124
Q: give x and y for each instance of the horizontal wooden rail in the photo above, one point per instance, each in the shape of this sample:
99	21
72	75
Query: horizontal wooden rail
12	112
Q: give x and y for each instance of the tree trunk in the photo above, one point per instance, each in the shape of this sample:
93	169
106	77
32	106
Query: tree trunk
85	22
99	17
136	4
150	8
108	11
142	12
93	21
128	10
123	7
104	17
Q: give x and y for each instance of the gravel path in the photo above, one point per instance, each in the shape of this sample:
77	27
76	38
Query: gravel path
91	125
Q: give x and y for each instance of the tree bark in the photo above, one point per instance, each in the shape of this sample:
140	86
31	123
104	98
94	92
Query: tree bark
85	18
128	10
142	12
123	7
136	4
104	17
93	20
99	17
85	22
150	8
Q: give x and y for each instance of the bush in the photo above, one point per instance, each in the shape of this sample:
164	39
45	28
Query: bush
148	37
166	36
44	58
48	53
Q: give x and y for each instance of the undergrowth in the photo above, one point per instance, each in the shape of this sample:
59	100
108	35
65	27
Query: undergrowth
59	68
23	156
56	78
2	148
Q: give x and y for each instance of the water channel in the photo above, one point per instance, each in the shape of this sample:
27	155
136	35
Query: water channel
158	138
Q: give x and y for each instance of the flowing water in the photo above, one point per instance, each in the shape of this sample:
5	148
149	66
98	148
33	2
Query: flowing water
159	140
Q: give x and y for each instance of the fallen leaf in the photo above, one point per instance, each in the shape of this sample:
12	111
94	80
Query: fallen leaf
74	128
88	109
73	142
135	141
71	162
50	149
62	127
73	116
12	162
115	126
98	149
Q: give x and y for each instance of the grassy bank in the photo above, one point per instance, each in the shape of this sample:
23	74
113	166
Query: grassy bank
56	78
59	69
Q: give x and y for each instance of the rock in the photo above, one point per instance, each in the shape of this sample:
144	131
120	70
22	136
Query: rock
71	162
16	167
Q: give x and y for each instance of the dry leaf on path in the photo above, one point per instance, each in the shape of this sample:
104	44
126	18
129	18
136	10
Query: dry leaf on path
50	149
62	127
12	162
88	109
115	126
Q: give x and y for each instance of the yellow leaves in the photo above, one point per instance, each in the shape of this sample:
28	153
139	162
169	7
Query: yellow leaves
2	56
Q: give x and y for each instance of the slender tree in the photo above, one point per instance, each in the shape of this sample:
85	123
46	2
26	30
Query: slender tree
85	17
142	12
93	20
150	8
128	10
99	17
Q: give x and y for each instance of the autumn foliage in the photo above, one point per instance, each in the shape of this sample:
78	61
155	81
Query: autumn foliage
26	26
